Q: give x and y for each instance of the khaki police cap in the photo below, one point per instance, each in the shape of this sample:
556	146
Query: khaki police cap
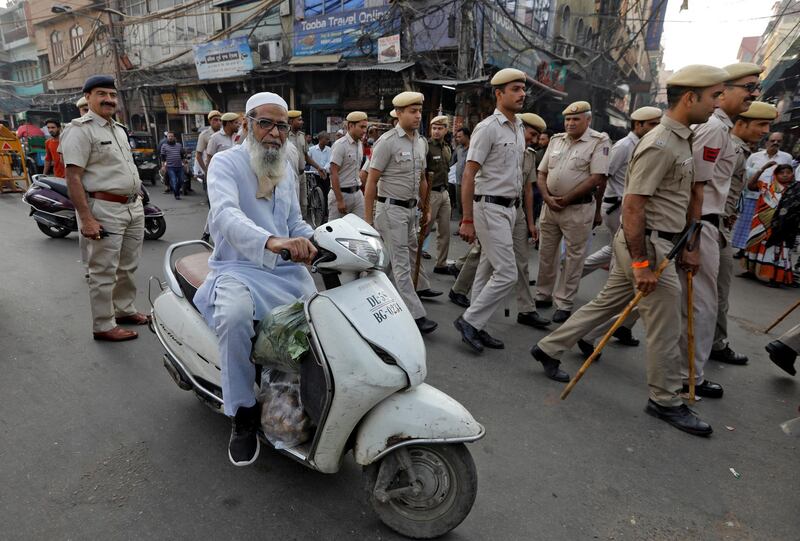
213	114
356	116
294	113
508	75
761	111
577	107
404	99
441	119
81	103
643	114
698	76
227	117
393	113
742	69
533	120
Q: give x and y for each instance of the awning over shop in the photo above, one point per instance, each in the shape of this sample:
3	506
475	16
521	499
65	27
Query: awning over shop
452	82
10	104
395	67
315	59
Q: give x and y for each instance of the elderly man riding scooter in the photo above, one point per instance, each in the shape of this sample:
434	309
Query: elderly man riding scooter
254	215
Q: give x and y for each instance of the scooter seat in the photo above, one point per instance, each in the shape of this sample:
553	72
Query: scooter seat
191	271
56	184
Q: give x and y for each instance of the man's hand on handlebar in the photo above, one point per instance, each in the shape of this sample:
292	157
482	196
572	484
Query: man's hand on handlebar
299	249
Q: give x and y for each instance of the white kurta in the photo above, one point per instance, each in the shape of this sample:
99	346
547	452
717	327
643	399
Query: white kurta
240	225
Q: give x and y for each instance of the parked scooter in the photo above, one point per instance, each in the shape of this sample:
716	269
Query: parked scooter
361	386
54	212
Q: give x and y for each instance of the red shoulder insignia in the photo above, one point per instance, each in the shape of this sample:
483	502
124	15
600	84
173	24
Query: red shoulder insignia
710	154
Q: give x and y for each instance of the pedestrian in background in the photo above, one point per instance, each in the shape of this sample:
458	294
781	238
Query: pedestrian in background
173	154
223	139
104	186
298	138
347	154
52	158
437	168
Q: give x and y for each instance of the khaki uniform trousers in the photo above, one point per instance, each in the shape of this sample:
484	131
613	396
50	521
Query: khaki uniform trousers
398	227
83	246
724	279
522	254
705	302
440	215
602	257
354	204
469	266
113	261
659	310
574	224
496	274
792	338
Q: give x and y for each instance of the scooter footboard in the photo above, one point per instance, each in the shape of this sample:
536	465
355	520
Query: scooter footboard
421	414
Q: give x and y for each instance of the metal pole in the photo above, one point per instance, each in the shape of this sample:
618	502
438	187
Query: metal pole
115	38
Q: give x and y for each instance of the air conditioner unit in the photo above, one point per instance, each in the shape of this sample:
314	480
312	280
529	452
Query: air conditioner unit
271	51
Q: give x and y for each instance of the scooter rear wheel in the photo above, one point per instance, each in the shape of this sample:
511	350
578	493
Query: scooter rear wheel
154	228
53	231
444	491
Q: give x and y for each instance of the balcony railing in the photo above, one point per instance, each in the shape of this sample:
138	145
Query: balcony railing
16	34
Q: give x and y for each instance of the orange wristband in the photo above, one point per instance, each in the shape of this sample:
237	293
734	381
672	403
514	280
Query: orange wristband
466	221
640	264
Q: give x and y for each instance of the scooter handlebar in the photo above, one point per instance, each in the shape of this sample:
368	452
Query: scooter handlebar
286	255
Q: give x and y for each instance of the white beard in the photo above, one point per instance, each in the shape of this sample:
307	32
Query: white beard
269	165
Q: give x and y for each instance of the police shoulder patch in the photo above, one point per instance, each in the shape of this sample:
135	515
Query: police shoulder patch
660	143
710	154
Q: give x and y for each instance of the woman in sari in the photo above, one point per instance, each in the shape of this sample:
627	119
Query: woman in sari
768	254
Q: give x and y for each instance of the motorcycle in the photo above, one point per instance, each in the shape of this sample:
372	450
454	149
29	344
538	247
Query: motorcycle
54	212
362	384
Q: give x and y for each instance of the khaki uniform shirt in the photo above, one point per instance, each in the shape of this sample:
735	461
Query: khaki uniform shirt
299	140
569	162
621	154
662	168
438	162
102	149
742	152
218	142
528	169
347	153
401	161
714	160
497	146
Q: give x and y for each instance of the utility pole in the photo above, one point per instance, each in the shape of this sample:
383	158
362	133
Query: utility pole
115	38
465	38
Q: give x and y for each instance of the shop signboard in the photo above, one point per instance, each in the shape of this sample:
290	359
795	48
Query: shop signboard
187	101
655	25
221	59
339	32
389	49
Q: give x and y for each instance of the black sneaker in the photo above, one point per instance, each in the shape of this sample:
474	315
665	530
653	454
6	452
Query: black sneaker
244	446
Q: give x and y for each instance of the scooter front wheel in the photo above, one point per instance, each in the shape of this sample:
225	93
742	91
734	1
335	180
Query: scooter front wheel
423	491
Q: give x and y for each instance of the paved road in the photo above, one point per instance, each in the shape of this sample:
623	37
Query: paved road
96	441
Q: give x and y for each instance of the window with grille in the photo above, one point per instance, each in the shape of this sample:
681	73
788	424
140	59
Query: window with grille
57	46
76	40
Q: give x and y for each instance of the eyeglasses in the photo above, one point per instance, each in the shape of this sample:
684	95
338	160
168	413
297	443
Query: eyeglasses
750	87
267	124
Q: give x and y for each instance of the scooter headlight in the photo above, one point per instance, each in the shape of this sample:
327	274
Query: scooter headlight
369	249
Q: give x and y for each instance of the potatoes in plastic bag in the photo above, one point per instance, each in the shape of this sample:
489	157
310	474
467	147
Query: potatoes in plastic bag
283	420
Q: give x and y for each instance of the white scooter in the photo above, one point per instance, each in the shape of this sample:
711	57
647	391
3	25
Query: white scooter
362	387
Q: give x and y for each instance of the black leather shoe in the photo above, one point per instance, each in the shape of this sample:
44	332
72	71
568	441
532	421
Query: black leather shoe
453	270
708	389
425	255
489	342
560	316
244	446
440	270
425	325
459	299
543	304
428	293
625	337
551	369
587	349
681	417
782	355
727	355
532	319
469	334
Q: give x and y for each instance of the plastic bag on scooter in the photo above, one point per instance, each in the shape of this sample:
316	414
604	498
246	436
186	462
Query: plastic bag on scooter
283	420
282	338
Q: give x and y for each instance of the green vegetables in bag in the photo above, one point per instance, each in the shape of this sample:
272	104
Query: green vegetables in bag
282	338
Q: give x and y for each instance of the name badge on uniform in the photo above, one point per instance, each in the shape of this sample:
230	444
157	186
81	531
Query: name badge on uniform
556	152
437	157
405	154
105	142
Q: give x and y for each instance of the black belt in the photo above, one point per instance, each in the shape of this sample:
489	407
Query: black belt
498	200
349	189
612	200
615	203
407	203
711	218
666	235
441	188
588	198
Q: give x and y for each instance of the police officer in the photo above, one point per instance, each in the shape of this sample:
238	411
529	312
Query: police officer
346	156
104	186
748	128
643	120
82	105
298	137
525	224
658	191
438	166
573	167
83	243
397	181
490	190
714	162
